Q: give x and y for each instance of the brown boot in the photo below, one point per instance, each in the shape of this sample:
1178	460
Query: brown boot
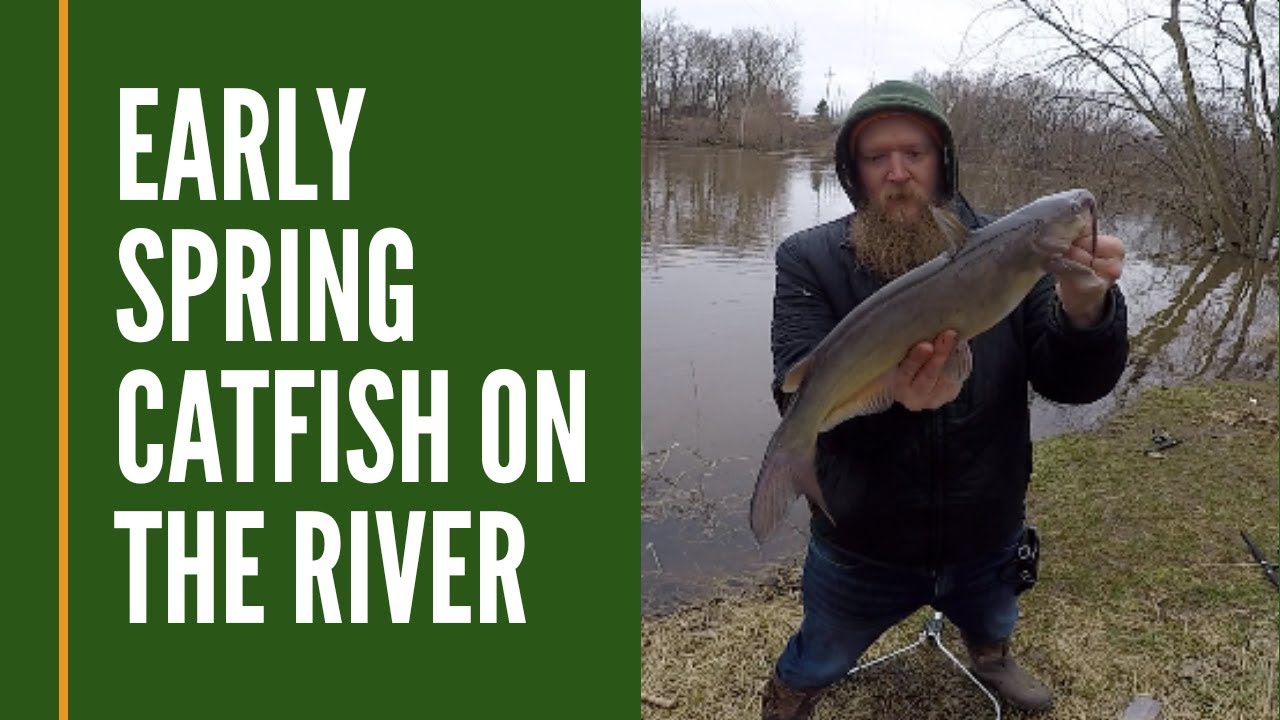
779	702
995	666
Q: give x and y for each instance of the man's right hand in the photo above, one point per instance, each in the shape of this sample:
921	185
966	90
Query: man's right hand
920	382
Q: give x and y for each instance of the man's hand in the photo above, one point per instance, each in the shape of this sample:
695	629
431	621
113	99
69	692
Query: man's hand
920	382
1083	295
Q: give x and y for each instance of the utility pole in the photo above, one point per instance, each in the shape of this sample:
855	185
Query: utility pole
827	95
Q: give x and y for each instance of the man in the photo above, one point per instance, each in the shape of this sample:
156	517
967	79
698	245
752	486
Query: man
928	496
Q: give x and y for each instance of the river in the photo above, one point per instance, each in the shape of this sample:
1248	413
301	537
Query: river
711	220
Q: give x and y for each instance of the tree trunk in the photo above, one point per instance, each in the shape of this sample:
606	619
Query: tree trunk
1222	203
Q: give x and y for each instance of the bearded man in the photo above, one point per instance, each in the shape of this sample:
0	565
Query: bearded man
928	496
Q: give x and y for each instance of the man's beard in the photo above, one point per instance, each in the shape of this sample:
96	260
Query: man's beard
895	233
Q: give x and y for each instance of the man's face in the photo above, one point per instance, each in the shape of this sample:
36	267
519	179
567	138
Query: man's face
898	167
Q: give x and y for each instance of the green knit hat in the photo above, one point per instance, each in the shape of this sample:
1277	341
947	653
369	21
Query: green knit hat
900	96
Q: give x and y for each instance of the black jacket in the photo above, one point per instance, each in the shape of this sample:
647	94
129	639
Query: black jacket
931	488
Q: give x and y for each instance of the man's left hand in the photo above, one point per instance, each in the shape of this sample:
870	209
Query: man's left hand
1083	296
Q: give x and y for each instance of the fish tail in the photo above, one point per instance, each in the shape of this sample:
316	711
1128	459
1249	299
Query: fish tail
787	472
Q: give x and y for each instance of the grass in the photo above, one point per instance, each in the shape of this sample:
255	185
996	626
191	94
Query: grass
1146	586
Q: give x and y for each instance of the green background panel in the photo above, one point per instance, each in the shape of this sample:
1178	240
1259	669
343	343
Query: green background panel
498	139
29	532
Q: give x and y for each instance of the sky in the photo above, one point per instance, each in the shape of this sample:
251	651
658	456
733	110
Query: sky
865	41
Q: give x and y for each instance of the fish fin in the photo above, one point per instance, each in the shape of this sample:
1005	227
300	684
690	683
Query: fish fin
876	396
960	363
786	473
952	228
796	375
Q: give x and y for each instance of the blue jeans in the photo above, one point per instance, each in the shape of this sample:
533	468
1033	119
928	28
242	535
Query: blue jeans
849	602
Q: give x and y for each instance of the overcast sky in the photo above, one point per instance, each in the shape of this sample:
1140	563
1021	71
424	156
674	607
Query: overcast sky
862	41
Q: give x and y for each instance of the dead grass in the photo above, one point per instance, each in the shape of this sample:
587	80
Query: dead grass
1146	587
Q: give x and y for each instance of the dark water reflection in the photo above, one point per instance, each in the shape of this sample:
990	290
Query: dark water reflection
711	220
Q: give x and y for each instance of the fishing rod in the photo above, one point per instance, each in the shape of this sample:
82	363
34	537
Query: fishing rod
1268	568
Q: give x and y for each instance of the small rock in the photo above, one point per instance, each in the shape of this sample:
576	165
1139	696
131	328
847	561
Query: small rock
1143	707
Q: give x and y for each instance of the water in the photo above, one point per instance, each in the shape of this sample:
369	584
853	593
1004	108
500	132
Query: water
711	222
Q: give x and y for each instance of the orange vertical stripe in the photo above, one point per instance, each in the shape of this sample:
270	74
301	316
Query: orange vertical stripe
63	602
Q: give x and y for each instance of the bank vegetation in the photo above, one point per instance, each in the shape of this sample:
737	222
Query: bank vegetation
1172	107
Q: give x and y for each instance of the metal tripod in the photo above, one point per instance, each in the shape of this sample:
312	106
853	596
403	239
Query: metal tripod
932	633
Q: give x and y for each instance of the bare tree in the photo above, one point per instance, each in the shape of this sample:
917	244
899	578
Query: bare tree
1206	94
769	71
692	80
652	37
721	76
677	63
